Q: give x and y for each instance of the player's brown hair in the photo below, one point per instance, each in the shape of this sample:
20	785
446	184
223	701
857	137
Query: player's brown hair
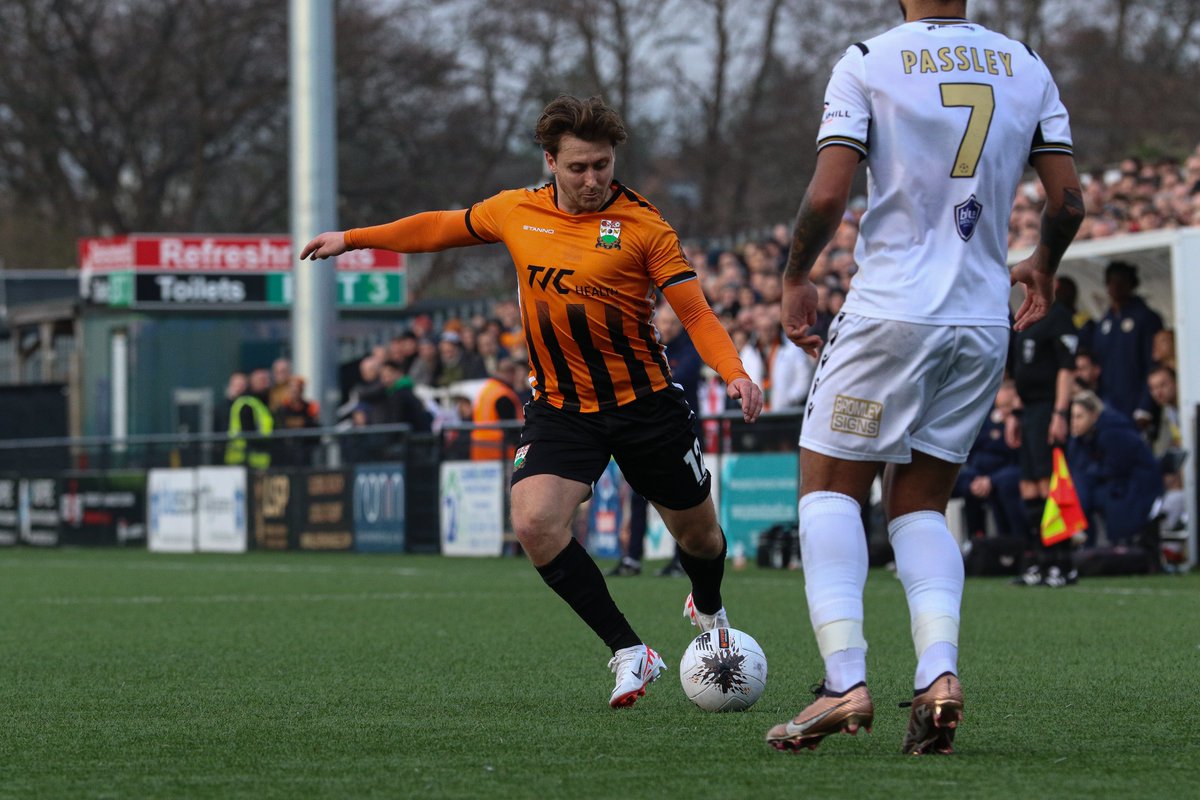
590	120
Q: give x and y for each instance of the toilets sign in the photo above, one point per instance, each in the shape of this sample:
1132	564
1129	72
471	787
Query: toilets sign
159	271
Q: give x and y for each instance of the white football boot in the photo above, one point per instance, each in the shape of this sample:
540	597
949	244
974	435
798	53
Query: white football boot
636	668
705	622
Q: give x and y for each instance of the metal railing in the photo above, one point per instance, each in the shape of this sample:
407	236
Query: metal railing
339	445
308	447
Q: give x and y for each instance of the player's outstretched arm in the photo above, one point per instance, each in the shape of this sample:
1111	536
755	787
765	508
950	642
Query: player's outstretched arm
714	345
1061	219
818	219
426	232
326	245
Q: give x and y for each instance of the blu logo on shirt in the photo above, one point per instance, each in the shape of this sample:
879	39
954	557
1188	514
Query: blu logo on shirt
966	217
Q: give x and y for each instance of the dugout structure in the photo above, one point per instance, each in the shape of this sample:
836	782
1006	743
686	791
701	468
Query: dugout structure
1168	264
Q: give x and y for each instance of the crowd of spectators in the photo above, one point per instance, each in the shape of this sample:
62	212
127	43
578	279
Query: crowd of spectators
410	378
1134	197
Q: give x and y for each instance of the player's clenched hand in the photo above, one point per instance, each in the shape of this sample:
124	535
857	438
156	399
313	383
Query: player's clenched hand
1039	293
798	313
751	396
328	244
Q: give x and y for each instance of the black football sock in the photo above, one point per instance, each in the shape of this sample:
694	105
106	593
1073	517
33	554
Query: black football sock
1033	522
1062	556
576	578
706	575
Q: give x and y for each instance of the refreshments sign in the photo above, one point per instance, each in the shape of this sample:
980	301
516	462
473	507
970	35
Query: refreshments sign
167	270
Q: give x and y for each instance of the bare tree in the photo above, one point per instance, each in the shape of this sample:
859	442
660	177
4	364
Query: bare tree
132	116
151	115
752	116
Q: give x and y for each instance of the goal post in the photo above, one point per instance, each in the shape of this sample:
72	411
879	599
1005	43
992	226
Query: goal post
1168	264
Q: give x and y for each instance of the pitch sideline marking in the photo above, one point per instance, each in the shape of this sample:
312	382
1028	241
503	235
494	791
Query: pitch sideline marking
145	600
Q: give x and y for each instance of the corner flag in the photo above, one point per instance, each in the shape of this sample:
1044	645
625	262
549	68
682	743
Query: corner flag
1063	517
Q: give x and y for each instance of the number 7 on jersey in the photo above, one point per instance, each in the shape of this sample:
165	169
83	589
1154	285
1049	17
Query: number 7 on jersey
982	102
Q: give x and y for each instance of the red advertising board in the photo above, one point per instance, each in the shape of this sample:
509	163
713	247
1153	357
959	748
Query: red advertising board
215	253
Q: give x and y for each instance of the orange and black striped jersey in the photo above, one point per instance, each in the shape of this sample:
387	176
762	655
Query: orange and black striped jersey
587	289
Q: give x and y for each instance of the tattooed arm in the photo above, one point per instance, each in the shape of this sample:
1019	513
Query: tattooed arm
818	219
1061	219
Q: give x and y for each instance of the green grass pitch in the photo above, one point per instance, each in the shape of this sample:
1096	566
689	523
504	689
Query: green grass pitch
126	674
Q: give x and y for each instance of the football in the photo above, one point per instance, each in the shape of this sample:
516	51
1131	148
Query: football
723	670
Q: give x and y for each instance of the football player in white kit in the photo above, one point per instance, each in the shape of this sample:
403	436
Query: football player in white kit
946	114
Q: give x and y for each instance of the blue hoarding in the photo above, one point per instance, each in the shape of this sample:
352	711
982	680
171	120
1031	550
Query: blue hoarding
379	508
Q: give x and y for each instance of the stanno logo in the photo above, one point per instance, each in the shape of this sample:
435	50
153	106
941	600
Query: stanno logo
536	229
610	235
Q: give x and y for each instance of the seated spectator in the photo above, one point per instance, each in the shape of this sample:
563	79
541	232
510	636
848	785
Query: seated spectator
824	316
295	413
235	388
1162	352
788	370
508	312
1087	371
1168	446
1165	394
362	445
727	299
457	363
281	375
1066	292
368	395
487	344
403	349
427	366
401	403
1114	471
837	299
516	375
990	480
747	349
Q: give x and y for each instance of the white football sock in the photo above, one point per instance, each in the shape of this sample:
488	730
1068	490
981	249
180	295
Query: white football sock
939	658
845	668
930	566
833	551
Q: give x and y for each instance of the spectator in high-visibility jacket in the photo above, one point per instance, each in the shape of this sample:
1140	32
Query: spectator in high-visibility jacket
250	415
495	402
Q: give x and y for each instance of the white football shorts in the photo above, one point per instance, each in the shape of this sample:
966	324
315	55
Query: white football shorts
885	388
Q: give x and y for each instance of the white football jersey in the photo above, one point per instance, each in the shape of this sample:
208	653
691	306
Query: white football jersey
947	114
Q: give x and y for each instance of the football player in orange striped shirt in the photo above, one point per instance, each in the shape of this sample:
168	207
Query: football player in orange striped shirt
590	256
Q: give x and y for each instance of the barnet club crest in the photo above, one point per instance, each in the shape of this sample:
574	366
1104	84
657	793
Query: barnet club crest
610	235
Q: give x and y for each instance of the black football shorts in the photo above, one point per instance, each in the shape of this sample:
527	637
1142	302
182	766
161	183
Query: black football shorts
654	441
1037	459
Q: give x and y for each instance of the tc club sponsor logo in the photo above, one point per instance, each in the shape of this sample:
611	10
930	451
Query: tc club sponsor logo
549	276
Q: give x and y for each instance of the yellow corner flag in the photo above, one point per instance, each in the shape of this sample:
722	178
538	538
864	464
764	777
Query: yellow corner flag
1063	517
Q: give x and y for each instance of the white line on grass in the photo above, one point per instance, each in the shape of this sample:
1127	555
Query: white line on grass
147	600
200	564
1134	592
